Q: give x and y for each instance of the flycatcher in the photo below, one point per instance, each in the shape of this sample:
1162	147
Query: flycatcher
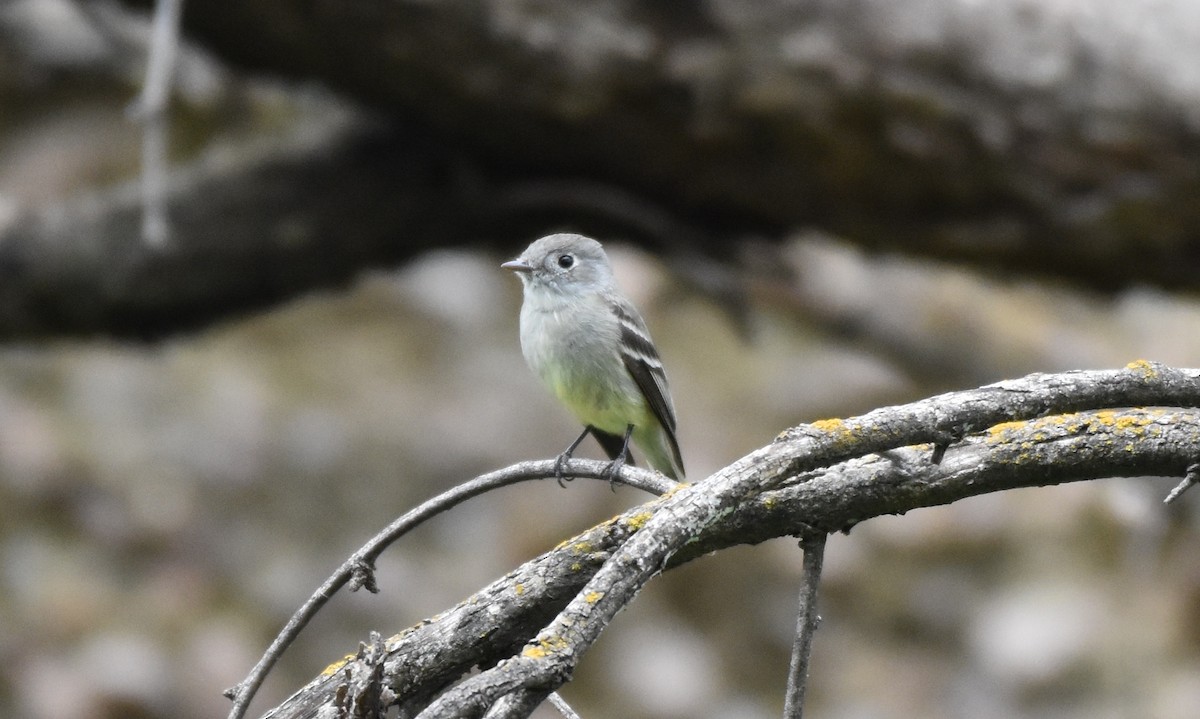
590	346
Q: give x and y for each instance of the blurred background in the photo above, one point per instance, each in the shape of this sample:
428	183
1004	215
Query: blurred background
820	207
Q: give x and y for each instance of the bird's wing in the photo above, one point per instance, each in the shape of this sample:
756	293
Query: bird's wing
643	364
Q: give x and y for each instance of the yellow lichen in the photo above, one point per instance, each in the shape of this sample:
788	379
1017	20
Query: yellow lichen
574	546
337	665
1046	429
593	597
544	647
1146	367
999	432
638	520
1124	421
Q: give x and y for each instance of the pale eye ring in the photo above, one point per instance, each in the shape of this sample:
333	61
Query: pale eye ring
565	261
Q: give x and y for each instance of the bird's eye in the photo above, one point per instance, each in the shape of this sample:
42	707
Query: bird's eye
565	261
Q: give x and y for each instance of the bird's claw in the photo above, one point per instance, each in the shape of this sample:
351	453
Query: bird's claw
560	465
613	471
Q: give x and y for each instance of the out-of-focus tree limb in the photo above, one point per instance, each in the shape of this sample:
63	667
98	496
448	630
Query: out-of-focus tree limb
1047	137
1058	137
252	224
256	222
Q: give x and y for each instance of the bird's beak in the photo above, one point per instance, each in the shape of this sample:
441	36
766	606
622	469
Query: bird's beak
518	265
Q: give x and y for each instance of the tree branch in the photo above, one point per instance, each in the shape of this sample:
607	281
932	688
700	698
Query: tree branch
151	110
807	620
955	129
1191	479
255	223
359	570
252	223
532	626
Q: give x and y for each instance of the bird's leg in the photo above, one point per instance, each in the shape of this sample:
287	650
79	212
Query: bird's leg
614	467
566	455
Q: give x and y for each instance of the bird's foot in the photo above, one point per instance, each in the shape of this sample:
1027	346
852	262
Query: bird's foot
560	467
613	471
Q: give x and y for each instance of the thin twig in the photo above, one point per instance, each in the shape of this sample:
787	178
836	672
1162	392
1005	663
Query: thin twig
807	621
563	707
946	436
1190	479
151	110
358	570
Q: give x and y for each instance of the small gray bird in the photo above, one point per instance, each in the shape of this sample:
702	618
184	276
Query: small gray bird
591	348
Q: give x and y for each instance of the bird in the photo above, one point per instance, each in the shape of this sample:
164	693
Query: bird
590	347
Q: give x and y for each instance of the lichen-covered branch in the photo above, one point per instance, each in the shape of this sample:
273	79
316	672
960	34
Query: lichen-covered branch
359	570
533	625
